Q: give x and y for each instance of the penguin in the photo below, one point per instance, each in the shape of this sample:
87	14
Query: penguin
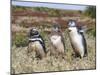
57	42
36	43
77	39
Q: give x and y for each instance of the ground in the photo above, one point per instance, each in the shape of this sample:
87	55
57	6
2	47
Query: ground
22	63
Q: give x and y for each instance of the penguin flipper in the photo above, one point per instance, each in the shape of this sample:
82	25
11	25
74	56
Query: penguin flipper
85	45
43	44
80	31
62	39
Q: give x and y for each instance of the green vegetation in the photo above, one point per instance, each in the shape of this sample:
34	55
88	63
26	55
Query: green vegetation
49	11
91	11
18	8
91	32
20	40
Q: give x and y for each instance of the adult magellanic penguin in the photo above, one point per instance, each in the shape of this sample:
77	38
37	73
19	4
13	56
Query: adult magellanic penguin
77	39
36	43
57	41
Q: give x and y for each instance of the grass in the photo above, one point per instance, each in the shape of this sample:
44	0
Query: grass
20	40
22	63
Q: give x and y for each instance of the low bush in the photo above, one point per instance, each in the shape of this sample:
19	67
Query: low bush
20	40
92	32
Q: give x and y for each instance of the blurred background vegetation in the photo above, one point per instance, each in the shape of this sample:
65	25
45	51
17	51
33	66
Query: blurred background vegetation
90	11
43	18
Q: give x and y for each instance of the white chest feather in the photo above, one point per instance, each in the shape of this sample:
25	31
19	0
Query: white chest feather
76	40
56	40
75	37
34	39
36	45
57	43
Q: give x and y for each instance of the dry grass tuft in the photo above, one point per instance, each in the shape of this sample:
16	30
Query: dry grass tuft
22	63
